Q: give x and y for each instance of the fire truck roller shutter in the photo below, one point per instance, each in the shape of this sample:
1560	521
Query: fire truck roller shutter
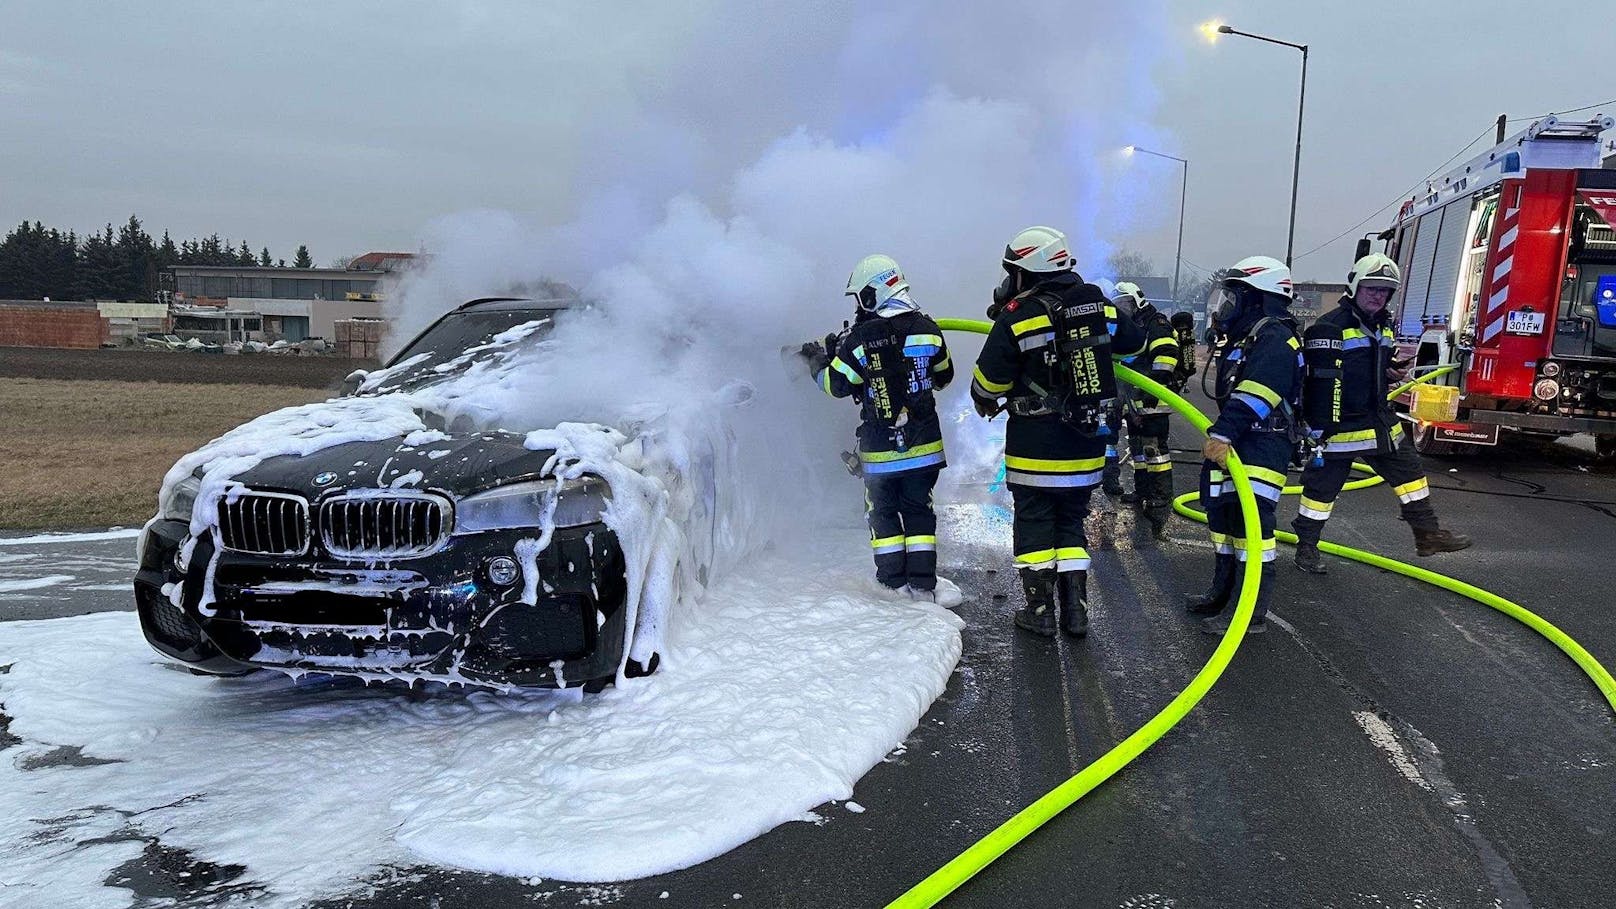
1431	278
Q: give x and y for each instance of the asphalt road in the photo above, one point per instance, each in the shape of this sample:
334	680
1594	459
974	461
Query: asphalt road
1386	744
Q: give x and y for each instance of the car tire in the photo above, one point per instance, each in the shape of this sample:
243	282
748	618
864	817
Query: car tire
634	669
1605	446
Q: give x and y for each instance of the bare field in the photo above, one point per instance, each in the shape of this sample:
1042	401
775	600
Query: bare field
170	366
90	453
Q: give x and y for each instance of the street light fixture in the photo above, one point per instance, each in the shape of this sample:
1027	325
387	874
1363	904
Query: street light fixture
1212	30
1183	193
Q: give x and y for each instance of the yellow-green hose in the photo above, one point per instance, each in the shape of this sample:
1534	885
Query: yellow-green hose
979	855
946	879
1584	660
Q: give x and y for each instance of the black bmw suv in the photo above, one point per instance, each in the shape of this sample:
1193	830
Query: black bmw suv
328	563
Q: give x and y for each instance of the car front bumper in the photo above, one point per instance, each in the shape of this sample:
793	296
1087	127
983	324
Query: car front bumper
435	617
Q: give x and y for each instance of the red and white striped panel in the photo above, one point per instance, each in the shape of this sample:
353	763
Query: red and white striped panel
1497	308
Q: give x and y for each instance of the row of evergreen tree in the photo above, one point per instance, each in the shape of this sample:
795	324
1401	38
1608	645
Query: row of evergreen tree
123	264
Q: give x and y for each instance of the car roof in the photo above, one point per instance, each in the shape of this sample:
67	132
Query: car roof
506	304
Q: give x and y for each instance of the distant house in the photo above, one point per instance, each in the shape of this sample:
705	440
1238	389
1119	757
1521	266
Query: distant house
292	303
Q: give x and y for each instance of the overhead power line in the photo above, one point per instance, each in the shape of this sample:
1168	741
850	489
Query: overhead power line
1439	168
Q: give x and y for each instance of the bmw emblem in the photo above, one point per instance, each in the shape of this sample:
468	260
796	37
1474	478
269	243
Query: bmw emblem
325	478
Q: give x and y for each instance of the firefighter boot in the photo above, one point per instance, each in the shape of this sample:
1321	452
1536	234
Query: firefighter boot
1430	542
1158	503
1111	477
1212	602
1038	616
1073	590
1307	556
1219	624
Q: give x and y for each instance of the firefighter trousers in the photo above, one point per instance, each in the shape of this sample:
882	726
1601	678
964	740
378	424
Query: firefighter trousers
903	527
1321	483
1048	530
1152	459
1266	455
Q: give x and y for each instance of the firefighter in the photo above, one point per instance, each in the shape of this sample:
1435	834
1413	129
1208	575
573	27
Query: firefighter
1146	417
1048	360
1258	388
1350	353
893	358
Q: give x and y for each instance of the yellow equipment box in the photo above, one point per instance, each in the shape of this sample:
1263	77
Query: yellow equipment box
1435	403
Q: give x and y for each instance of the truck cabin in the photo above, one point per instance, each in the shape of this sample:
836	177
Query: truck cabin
1585	325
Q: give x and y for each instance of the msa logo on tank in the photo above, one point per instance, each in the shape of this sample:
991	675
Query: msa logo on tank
1082	358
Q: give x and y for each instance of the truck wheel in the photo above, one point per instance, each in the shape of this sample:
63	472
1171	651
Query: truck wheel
1605	446
1426	443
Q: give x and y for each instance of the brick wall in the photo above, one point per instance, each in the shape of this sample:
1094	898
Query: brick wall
52	326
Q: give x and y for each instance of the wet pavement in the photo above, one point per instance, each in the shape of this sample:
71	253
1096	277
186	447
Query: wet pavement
1385	744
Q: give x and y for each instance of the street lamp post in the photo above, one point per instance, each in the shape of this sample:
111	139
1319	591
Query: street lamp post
1301	101
1183	193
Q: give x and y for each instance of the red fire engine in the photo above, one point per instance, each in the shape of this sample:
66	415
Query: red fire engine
1509	271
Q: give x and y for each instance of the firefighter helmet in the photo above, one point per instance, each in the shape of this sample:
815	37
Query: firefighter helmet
1141	308
1262	273
1038	249
1259	275
1373	270
1130	289
874	280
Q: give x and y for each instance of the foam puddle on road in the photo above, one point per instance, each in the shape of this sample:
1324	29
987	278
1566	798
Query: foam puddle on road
777	694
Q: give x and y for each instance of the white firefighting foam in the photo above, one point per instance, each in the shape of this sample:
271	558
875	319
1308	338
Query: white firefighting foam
768	704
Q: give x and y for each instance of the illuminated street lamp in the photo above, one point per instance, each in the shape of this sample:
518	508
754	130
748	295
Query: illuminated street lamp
1211	30
1183	192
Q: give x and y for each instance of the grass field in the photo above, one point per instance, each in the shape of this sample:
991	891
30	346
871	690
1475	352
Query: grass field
76	454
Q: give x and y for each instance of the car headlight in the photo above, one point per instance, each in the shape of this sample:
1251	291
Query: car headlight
177	503
572	504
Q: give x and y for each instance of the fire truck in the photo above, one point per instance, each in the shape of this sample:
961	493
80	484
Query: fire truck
1509	271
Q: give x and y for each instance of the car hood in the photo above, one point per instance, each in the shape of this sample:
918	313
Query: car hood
457	464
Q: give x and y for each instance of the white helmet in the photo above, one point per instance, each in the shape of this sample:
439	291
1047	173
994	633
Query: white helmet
1373	270
874	280
1131	298
1038	249
1264	273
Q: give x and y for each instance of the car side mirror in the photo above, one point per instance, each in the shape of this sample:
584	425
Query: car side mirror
351	382
1362	250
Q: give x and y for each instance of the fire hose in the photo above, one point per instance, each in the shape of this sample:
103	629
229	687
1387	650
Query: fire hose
945	880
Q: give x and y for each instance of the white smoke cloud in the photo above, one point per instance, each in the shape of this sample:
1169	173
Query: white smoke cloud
766	151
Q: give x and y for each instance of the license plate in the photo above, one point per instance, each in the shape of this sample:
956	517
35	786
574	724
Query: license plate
1524	323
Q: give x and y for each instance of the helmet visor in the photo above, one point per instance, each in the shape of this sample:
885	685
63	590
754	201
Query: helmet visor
1221	304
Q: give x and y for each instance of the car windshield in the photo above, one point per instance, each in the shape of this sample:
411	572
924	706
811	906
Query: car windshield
459	340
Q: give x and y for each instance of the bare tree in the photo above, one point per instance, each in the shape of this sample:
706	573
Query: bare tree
1125	263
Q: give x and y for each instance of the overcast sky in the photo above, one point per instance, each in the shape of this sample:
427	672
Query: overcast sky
350	126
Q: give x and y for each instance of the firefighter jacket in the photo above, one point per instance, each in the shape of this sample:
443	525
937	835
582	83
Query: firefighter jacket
1049	353
1347	360
1159	360
893	364
1260	371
